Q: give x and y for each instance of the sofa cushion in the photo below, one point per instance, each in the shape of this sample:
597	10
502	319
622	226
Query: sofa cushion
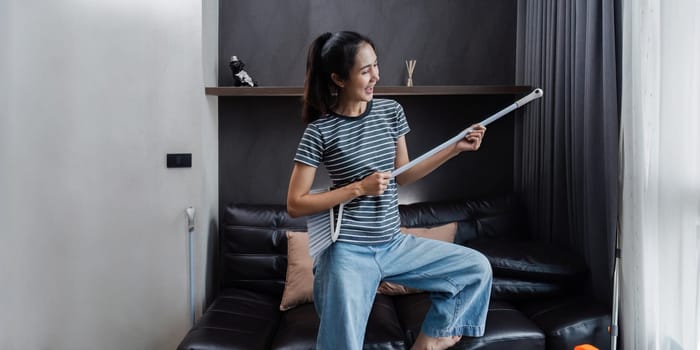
498	218
530	260
253	247
237	319
298	328
570	321
429	214
512	289
506	327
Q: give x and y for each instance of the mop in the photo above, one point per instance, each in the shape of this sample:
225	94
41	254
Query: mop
324	228
189	212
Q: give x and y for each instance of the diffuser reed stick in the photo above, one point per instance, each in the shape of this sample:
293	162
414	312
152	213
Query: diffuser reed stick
410	66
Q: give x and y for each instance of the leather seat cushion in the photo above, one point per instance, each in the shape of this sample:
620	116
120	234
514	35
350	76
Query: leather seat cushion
530	260
570	321
237	319
506	327
298	328
504	288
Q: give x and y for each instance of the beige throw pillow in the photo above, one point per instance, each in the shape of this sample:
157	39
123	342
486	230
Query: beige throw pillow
299	281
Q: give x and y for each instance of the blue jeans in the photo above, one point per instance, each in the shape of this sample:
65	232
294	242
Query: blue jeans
346	277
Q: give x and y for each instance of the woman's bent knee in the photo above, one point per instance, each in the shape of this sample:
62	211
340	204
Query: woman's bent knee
482	267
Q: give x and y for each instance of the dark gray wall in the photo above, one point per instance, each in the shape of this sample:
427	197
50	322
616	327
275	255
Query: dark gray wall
459	42
466	42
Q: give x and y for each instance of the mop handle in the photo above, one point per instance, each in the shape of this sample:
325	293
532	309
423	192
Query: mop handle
537	93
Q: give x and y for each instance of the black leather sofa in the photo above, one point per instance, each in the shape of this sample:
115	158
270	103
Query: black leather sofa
536	303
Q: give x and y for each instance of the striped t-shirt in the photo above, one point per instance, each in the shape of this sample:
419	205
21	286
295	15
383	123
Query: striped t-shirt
352	148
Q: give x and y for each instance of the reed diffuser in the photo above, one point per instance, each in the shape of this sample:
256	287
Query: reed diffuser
410	66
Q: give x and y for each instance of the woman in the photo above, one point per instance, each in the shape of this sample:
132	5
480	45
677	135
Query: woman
359	140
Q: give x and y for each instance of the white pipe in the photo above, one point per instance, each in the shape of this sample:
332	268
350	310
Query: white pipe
616	296
189	212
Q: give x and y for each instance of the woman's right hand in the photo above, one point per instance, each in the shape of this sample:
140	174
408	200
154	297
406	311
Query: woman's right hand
375	184
300	202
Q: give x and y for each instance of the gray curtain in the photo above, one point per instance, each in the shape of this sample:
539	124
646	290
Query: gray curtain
567	143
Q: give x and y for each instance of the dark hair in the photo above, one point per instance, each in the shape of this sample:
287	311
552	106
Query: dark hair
329	53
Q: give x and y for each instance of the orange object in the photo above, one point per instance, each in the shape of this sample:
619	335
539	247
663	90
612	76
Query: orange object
585	347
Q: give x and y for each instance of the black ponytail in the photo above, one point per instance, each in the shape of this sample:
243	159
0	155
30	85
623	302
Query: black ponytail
317	85
329	53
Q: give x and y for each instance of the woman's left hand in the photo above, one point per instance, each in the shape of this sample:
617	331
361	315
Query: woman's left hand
472	141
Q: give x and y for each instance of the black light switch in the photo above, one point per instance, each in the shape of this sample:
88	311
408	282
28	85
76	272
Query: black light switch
179	160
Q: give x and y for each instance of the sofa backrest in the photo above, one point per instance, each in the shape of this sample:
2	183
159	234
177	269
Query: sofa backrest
253	241
498	217
253	247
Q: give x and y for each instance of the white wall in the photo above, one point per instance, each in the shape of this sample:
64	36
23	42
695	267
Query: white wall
93	243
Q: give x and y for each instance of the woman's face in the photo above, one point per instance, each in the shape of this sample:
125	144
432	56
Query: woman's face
362	76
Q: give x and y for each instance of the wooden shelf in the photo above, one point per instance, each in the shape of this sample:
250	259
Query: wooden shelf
379	90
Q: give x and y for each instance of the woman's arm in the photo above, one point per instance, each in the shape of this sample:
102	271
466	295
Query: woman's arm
471	142
300	202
